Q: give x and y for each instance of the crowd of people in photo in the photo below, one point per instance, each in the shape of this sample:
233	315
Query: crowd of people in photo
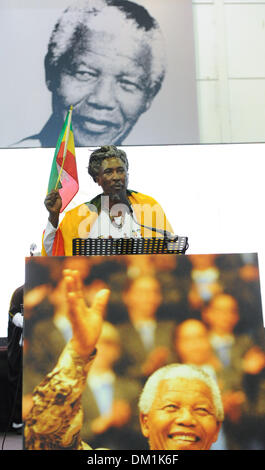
198	309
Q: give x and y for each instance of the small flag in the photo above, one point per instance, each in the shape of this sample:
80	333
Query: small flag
63	174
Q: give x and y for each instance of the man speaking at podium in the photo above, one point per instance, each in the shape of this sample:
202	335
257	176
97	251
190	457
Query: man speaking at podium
116	213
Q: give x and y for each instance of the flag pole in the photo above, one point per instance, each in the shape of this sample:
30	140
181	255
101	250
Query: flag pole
65	145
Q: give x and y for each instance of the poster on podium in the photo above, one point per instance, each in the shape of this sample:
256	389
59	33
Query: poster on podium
102	331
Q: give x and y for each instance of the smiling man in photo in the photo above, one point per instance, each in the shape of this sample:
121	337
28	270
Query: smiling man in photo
181	409
106	58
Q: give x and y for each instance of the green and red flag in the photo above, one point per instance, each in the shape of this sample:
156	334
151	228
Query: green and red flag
63	174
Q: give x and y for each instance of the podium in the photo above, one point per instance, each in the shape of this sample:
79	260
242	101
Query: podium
129	246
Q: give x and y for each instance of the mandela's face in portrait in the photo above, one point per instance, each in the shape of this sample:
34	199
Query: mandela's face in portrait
182	417
107	77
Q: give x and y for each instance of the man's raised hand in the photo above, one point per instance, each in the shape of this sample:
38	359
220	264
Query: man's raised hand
86	321
53	204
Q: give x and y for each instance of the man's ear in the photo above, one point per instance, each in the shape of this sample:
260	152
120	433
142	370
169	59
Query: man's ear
52	82
144	423
217	431
48	75
49	85
147	104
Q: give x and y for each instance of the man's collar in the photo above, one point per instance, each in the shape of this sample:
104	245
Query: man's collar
96	201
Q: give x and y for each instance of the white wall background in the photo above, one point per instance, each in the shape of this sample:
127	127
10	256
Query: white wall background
212	193
230	69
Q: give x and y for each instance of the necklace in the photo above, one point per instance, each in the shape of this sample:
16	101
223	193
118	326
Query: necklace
117	221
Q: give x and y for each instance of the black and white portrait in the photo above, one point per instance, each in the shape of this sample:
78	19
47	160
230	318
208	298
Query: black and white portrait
126	67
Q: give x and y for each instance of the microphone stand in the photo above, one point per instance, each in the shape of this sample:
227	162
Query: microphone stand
165	233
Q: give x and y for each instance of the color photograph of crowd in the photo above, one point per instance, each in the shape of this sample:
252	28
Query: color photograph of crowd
199	310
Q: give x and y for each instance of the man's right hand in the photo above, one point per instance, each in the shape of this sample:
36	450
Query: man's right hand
86	322
53	203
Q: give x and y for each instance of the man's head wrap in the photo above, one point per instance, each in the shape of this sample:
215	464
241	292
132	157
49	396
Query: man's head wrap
97	157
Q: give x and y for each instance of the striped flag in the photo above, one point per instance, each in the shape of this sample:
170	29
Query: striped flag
63	174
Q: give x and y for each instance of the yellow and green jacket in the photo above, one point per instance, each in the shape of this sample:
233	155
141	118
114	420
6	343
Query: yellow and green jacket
78	222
